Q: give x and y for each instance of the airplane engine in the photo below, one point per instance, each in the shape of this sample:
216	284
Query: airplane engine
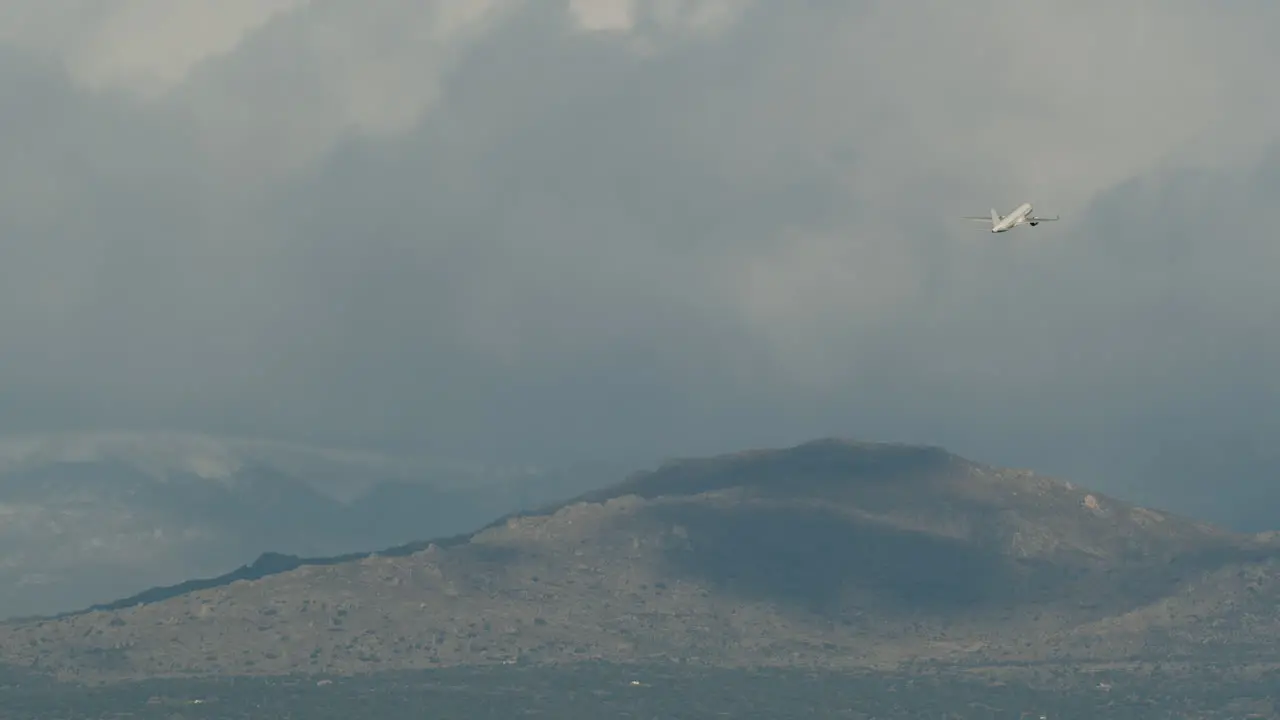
1034	224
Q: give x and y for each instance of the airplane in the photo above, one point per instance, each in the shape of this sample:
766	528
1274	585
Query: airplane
1021	214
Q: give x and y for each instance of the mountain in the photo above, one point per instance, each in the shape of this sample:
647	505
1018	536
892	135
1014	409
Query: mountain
88	517
832	552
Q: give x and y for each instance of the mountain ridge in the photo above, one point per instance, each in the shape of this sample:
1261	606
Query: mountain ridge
831	552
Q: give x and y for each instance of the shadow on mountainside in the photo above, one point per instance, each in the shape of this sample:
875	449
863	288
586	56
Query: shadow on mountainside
821	561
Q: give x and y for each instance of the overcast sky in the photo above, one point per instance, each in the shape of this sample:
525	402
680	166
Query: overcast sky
564	230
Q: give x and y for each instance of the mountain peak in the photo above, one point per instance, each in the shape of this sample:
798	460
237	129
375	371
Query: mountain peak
828	464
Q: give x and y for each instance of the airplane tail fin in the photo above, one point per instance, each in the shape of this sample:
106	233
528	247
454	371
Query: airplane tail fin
995	216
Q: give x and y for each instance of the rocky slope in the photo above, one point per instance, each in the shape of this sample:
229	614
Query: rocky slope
831	552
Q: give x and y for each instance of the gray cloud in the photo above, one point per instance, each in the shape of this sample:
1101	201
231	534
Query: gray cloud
487	229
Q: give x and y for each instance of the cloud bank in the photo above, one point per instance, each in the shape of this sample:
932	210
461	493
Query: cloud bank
563	231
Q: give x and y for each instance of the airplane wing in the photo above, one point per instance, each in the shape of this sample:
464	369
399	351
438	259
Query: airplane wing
1040	219
983	219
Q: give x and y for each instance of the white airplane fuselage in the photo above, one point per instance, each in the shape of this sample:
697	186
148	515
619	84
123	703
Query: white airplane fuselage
1013	219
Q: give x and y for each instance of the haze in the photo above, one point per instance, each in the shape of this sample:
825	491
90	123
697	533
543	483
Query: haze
562	231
